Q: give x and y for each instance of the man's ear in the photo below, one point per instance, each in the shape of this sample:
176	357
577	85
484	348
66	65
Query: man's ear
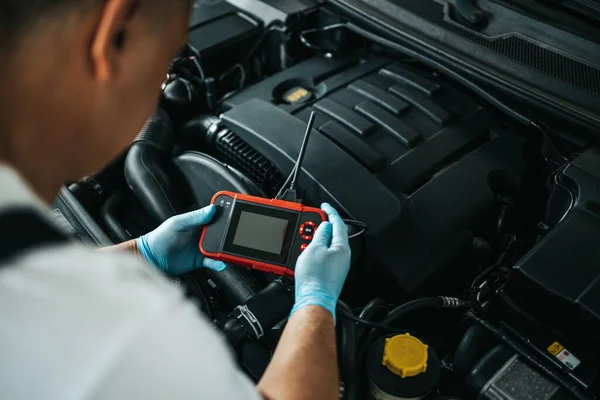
110	37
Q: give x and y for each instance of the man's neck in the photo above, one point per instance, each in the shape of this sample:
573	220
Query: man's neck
41	180
16	190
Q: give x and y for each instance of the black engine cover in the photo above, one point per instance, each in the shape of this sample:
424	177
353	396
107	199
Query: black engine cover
552	296
404	151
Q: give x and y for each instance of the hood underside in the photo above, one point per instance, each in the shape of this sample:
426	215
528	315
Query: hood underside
543	63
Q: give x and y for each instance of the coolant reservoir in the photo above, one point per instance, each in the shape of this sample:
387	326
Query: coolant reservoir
401	367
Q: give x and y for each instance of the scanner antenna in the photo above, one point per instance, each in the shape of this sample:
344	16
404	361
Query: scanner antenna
311	123
292	180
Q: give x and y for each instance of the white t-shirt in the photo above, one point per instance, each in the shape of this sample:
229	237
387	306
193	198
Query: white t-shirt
76	323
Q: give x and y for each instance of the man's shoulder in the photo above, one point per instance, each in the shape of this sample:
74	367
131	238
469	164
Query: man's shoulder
106	325
76	273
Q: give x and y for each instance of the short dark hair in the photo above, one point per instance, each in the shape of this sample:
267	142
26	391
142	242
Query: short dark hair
18	16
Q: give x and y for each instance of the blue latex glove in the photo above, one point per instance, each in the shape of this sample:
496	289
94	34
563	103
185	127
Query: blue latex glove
173	246
323	267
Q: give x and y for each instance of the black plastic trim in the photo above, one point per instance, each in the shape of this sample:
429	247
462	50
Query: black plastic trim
392	125
379	96
361	151
346	117
409	78
436	113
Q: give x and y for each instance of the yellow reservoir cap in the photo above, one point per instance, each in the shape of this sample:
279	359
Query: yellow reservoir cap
405	355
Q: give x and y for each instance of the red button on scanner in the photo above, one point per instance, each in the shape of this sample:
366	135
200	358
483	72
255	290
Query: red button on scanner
310	223
303	246
307	237
302	227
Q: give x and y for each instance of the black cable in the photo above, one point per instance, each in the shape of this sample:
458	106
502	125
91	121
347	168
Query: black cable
506	207
572	195
370	324
293	176
529	357
285	185
236	67
542	129
195	58
364	228
479	279
354	222
372	308
368	313
303	148
476	288
313	46
348	367
270	28
418	304
288	189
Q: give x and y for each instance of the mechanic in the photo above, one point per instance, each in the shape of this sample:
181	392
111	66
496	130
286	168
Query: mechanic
79	78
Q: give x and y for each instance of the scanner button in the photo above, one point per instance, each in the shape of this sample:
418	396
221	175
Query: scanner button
301	231
309	230
306	237
303	246
311	223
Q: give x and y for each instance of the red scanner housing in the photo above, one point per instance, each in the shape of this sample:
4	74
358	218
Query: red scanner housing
258	233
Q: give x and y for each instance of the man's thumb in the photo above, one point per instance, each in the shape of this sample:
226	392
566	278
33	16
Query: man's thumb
196	218
323	235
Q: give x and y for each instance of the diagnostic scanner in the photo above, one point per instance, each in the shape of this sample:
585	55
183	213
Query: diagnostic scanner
262	234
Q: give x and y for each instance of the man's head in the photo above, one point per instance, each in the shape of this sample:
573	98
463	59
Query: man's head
79	79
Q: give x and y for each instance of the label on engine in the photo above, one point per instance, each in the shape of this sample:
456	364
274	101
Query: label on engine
564	355
555	348
567	358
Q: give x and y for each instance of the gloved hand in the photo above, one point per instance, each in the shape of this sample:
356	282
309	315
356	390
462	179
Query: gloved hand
323	267
173	246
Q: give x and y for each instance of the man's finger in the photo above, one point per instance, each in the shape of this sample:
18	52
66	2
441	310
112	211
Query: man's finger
196	218
322	236
340	231
214	264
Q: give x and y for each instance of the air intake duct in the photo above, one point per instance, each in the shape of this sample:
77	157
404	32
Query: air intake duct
146	168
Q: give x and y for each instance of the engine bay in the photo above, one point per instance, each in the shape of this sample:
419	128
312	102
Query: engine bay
481	217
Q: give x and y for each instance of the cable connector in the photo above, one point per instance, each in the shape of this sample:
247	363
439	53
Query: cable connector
291	195
453	302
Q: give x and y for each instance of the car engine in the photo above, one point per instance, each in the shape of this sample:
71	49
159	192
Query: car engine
478	209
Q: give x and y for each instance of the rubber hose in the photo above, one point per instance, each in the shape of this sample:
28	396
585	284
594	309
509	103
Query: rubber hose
266	309
237	284
196	130
474	344
145	168
368	313
109	217
418	304
349	370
